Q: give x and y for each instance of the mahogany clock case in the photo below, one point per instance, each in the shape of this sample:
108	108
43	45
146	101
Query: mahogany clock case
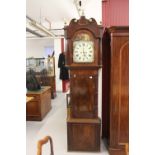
83	134
84	93
83	117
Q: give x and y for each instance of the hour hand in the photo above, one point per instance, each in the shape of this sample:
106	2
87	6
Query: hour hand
83	51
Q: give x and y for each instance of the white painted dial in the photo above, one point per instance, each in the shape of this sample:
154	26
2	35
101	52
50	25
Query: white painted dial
83	51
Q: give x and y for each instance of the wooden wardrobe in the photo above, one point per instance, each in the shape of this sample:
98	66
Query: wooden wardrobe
115	89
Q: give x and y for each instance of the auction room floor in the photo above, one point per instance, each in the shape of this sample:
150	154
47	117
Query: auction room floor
54	125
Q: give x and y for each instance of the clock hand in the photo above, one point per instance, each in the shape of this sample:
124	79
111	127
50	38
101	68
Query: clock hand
83	51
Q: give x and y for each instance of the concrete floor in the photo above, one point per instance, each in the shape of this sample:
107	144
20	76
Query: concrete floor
54	125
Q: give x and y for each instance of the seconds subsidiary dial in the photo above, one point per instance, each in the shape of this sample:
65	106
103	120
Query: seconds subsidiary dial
83	51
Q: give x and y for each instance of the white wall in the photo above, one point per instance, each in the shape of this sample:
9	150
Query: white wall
35	47
57	49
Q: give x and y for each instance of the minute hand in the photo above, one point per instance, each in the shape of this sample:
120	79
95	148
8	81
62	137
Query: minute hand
83	51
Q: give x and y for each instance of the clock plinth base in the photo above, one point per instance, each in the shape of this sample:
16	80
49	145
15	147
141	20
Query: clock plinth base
83	134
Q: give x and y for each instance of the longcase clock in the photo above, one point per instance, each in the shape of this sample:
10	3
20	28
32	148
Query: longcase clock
83	55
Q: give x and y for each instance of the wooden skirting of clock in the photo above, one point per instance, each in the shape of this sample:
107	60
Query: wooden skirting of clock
83	58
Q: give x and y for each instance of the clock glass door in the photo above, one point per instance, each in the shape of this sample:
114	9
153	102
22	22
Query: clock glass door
83	48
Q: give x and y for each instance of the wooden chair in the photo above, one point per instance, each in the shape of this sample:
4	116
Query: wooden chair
42	142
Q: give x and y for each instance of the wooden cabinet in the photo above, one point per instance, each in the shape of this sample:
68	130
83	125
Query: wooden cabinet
116	101
40	105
